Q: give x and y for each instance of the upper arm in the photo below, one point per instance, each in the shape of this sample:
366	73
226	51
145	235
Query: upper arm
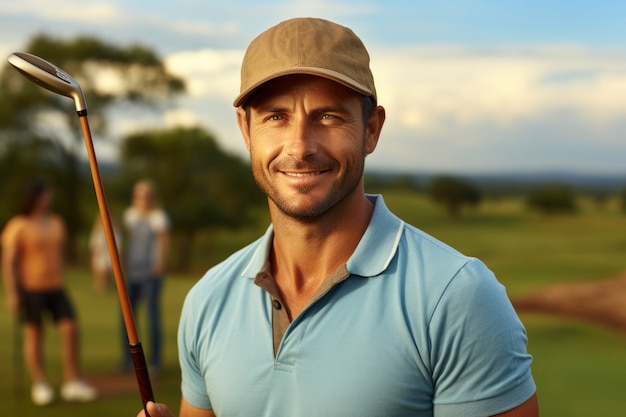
528	409
479	345
161	224
164	239
188	410
9	246
9	252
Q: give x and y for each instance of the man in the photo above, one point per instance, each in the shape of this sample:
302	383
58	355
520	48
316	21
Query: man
340	309
33	252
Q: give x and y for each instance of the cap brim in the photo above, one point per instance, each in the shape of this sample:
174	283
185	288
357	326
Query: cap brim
320	72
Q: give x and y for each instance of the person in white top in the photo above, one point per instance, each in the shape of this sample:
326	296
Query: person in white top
146	248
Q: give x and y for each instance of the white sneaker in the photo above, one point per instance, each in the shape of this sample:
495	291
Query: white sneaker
78	391
42	393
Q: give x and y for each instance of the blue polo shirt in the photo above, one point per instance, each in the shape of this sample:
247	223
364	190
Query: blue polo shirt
408	327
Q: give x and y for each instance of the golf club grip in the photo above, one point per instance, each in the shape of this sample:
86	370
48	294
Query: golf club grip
141	372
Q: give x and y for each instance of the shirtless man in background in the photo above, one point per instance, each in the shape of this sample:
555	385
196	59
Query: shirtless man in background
33	244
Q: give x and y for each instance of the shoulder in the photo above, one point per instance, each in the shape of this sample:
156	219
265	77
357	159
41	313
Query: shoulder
454	288
13	228
159	219
454	277
433	262
223	280
414	237
439	282
130	215
15	222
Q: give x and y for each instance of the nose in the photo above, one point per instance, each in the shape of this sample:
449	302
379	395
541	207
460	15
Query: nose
301	141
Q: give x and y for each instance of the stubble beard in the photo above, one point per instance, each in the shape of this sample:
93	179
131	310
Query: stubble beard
340	190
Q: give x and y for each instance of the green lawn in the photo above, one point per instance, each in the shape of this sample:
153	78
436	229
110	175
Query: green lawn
579	368
101	349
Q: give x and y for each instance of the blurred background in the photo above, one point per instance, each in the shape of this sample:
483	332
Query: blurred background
504	138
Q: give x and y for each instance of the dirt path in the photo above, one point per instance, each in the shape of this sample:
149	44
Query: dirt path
600	302
113	384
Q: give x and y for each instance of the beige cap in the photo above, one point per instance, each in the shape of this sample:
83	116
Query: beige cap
306	46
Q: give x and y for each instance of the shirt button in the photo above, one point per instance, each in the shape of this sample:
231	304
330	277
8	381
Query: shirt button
277	305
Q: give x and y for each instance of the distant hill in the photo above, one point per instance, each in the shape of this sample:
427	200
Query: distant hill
597	183
511	182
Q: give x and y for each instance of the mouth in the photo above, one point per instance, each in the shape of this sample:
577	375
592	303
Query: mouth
302	174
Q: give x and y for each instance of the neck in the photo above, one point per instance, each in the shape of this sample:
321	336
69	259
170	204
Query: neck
39	214
304	254
143	210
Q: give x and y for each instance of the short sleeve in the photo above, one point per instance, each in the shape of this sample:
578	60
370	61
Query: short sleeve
480	362
159	221
193	386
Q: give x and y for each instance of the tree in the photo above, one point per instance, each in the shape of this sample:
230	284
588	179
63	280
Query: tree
30	114
552	199
376	183
453	193
199	184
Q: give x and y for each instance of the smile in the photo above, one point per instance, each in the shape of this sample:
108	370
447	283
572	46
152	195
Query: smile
302	174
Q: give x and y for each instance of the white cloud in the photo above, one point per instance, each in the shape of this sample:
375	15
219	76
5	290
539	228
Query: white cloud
208	72
106	79
433	89
68	10
180	118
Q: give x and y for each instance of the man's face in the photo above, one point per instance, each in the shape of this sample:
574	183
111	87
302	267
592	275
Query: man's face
45	200
307	142
142	196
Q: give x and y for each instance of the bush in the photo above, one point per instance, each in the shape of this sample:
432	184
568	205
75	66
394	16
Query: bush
453	193
552	199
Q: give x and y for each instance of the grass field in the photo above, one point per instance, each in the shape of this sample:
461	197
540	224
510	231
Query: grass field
580	369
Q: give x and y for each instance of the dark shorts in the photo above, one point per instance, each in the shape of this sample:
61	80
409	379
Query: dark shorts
37	303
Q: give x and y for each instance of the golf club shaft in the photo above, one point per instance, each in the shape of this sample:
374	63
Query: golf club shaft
136	351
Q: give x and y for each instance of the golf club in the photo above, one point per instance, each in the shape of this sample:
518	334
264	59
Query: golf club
58	81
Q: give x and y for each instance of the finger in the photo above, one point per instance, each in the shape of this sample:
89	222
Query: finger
158	410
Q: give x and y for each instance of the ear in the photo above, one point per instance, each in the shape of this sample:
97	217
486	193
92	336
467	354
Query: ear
242	121
373	128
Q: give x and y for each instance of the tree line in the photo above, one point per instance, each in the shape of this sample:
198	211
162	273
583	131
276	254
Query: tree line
455	193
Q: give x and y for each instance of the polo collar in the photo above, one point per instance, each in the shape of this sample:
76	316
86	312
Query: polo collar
379	243
372	255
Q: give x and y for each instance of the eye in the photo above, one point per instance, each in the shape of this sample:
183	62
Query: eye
274	117
330	119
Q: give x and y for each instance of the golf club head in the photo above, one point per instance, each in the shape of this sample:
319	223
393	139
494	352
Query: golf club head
49	77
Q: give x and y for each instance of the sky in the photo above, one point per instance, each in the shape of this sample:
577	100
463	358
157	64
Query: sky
469	86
